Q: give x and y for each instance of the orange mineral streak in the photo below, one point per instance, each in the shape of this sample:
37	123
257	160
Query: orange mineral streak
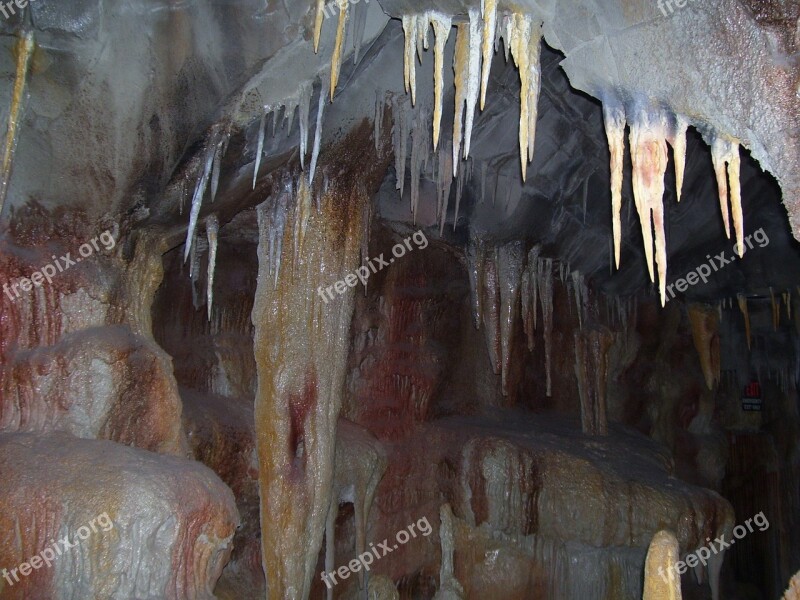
301	352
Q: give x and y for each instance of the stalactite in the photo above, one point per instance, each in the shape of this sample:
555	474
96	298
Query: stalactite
725	153
614	119
530	296
459	192
649	157
704	322
525	48
742	299
359	22
441	27
444	183
787	301
377	123
215	170
409	66
197	198
212	231
776	310
419	153
489	32
259	146
678	143
510	263
491	308
400	139
338	48
300	347
473	76
475	262
24	48
318	18
304	108
544	283
591	371
461	75
317	133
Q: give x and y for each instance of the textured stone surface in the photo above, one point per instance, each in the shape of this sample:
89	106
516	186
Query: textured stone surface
173	520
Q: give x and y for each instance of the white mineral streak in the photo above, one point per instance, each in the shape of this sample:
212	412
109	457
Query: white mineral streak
614	119
649	158
725	153
441	28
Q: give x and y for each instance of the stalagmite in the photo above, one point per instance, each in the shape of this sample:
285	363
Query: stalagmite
473	76
510	263
259	147
212	231
300	348
409	64
400	139
24	48
489	31
449	587
317	133
704	322
649	157
461	72
678	143
662	556
544	283
318	18
793	591
742	299
338	48
725	153
614	119
304	107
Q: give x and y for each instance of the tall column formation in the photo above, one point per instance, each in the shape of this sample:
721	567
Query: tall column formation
300	345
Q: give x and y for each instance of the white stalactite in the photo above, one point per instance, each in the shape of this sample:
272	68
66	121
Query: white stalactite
259	146
338	48
489	32
525	49
441	27
473	76
409	66
678	143
212	232
317	133
649	157
304	107
461	75
614	119
725	153
197	199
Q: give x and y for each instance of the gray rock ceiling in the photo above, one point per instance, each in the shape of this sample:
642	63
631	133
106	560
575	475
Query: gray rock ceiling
125	98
